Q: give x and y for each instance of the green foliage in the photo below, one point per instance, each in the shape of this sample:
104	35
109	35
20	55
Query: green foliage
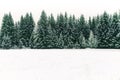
64	32
43	38
26	28
103	31
7	32
84	27
114	32
6	42
92	42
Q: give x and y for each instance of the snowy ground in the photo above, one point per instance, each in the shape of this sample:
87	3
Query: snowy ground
87	64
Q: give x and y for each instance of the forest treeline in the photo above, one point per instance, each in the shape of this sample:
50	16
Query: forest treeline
64	32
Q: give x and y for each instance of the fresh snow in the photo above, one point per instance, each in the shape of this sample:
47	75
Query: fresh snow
73	64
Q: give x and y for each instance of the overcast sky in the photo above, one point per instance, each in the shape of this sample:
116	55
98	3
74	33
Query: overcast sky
77	7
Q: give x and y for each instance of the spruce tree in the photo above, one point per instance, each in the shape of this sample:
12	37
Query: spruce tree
64	32
26	28
72	29
6	42
114	32
7	32
52	30
81	43
62	23
16	35
61	43
103	31
52	22
43	33
84	27
92	41
93	26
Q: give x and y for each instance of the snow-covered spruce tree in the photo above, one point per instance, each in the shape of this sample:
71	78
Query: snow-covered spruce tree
68	31
52	30
66	34
71	22
92	41
72	29
43	37
26	28
52	22
81	43
8	39
16	35
60	24
93	24
103	31
60	42
117	45
19	40
6	42
70	43
76	30
63	28
84	27
114	32
90	23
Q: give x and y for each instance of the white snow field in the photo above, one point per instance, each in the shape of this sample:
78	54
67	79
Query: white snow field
87	64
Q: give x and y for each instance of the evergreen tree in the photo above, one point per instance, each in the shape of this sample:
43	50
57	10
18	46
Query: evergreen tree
60	24
52	22
69	31
84	27
70	42
16	35
65	32
6	42
117	45
92	41
7	32
72	29
81	43
92	24
60	41
114	32
52	30
26	28
43	33
103	31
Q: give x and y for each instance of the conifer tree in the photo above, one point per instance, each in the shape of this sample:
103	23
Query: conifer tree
81	43
84	27
26	28
60	43
60	24
65	32
93	25
92	41
114	32
103	31
52	22
7	32
43	34
16	35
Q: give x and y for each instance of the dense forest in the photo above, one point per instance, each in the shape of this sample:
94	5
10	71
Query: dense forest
63	32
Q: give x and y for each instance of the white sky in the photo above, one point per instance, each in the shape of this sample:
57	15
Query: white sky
87	64
77	7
